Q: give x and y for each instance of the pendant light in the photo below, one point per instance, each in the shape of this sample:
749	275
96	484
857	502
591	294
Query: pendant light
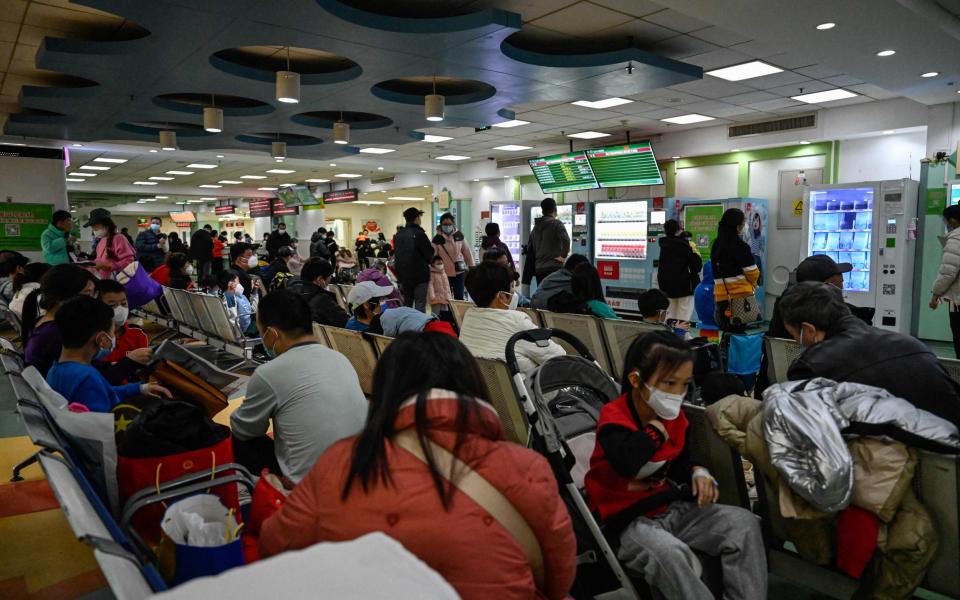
341	131
212	117
168	140
278	150
288	84
433	104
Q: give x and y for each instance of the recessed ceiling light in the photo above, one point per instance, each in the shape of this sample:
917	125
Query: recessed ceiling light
735	150
426	186
75	179
317	180
435	138
77	145
219	156
804	142
208	198
161	197
194	201
376	150
333	164
116	161
747	70
827	96
94	168
886	53
379	168
286	184
476	179
211	186
687	119
160	178
267	189
452	157
930	74
369	202
179	172
888	132
229	181
825	26
144	183
281	171
588	135
253	177
675	157
424	170
82	174
404	197
512	148
598	104
201	166
512	123
153	150
348	175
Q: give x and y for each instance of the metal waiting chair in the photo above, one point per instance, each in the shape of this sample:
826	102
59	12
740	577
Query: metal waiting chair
503	396
535	315
459	308
937	483
380	342
319	335
780	355
952	366
619	335
709	450
586	328
358	350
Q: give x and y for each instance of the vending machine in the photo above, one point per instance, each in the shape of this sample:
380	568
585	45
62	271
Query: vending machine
507	216
623	251
871	225
568	215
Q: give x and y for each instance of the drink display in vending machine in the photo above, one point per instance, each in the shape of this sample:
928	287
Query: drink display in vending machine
507	215
620	230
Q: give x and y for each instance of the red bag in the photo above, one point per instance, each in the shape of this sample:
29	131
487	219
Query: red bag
135	474
857	530
268	496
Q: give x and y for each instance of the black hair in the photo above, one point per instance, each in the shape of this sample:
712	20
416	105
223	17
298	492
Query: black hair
110	286
287	311
548	206
59	216
238	235
446	216
412	365
487	280
435	258
322	230
575	260
671	227
285	251
31	274
585	283
174	235
952	212
225	277
208	226
651	302
209	281
717	385
813	302
10	265
727	235
239	249
59	284
80	318
493	254
152	219
492	229
316	267
176	261
652	352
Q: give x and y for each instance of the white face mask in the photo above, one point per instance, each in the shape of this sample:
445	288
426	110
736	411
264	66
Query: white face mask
514	300
99	233
667	406
189	270
238	291
252	262
120	314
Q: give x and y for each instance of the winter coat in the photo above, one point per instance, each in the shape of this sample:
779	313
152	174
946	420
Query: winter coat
149	252
485	332
117	252
735	271
277	239
201	245
377	276
452	249
464	544
53	242
550	240
403	319
555	283
493	241
413	255
438	290
947	284
703	298
679	271
901	364
324	308
319	249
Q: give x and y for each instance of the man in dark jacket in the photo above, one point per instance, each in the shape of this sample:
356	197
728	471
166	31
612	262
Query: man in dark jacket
679	272
412	260
277	239
324	308
550	241
332	244
318	245
841	347
148	248
201	249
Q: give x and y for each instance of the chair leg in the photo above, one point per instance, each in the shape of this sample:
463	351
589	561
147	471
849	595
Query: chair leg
23	465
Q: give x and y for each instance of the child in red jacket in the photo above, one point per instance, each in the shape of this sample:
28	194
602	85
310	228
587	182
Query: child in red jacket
132	348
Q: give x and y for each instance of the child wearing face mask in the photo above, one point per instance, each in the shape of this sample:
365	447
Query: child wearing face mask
88	333
451	246
237	303
438	288
132	347
648	493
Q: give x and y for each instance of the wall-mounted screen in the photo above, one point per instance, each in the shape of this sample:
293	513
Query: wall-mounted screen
296	195
626	165
185	217
340	196
563	173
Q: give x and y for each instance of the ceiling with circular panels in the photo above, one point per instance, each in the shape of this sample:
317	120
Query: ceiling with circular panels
153	128
411	90
262	62
357	120
195	102
266	138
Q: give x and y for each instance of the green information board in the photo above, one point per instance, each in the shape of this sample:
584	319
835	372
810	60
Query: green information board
701	221
631	164
22	224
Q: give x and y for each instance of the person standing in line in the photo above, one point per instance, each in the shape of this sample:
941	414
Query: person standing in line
736	274
679	272
277	239
219	243
412	260
55	240
450	245
114	252
201	249
149	252
550	241
947	285
318	245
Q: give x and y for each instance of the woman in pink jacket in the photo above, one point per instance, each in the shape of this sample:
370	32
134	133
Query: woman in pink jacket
425	397
451	246
114	251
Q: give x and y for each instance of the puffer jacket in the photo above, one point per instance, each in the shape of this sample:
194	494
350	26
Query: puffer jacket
947	284
452	249
470	549
679	272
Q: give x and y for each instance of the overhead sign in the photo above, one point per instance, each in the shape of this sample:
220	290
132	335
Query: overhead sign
280	209
260	207
340	196
21	225
228	209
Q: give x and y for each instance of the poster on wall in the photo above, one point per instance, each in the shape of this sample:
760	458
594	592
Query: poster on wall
21	225
701	221
754	234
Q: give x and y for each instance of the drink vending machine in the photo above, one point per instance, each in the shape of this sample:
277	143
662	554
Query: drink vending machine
624	250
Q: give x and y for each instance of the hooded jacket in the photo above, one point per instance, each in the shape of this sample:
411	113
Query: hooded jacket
947	284
324	308
485	332
438	290
470	549
550	240
553	284
679	271
403	319
53	242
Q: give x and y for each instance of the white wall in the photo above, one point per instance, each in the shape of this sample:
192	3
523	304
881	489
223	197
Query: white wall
716	181
882	157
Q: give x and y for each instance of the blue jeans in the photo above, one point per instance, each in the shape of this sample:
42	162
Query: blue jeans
456	285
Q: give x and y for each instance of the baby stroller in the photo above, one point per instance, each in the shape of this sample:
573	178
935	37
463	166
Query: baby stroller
562	399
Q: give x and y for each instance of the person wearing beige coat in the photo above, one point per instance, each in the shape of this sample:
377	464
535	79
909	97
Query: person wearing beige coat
947	285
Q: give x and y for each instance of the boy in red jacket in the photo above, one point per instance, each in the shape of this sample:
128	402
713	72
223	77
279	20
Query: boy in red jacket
132	343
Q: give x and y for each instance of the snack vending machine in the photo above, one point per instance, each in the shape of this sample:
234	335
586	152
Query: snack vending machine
623	251
507	216
872	226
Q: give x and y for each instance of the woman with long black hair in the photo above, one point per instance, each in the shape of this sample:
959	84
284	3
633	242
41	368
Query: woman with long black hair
59	284
736	274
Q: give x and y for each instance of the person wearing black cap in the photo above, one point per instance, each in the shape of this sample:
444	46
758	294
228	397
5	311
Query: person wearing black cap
412	260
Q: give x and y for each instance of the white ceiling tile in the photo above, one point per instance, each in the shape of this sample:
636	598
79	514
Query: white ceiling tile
717	59
663	113
531	9
644	34
818	71
720	36
795	109
682	46
636	8
790	60
676	21
729	110
843	80
634	108
750	98
755	115
770	105
875	92
547	118
668	97
808	87
712	87
756	49
777	80
581	19
713	108
581	112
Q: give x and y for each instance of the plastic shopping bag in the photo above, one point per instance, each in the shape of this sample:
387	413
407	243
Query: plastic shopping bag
201	537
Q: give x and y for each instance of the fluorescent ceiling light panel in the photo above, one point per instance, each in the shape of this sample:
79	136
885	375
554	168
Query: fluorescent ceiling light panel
116	161
404	198
452	157
82	174
512	148
267	189
94	168
253	177
608	103
886	53
229	181
827	96
160	178
144	183
317	180
281	171
194	201
208	198
588	135
376	150
368	202
433	139
161	197
211	186
825	26
512	123
179	172
687	119
743	71
201	166
286	184
348	175
75	179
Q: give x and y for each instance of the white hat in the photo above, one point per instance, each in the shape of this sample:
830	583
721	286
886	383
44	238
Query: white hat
365	291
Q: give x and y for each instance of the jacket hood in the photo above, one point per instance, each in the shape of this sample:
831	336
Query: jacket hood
667	241
707	272
402	319
489	241
442	407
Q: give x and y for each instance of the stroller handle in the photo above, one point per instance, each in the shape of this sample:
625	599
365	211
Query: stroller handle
541	337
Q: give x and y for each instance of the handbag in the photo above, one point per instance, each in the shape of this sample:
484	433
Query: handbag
141	289
734	314
201	537
481	491
186	386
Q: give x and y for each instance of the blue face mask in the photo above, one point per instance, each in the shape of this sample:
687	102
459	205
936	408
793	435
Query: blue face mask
155	226
447	229
271	352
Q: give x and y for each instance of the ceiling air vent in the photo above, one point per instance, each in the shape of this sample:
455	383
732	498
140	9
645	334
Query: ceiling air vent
387	179
514	162
774	126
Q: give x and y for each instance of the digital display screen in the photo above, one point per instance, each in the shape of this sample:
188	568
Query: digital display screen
630	164
338	196
296	195
563	172
185	217
262	207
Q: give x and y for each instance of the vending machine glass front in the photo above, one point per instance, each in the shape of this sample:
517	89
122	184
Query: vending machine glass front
507	216
842	228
